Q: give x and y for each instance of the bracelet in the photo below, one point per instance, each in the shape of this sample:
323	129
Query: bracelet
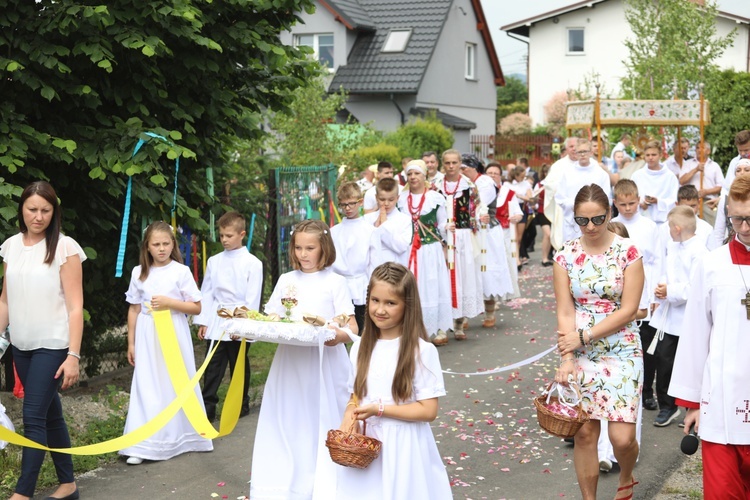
580	337
74	354
381	408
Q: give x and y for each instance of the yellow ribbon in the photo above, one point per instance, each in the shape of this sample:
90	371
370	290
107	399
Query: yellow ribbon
186	399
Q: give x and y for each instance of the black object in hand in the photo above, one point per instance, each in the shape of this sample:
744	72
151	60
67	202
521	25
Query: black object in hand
690	442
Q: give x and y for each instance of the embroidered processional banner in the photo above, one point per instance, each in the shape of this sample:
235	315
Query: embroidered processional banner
613	112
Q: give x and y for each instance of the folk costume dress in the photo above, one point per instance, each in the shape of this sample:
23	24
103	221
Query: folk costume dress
427	258
507	206
496	279
409	464
151	390
610	374
466	280
304	397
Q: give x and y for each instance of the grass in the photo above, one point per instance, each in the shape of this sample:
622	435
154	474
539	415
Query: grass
97	431
261	355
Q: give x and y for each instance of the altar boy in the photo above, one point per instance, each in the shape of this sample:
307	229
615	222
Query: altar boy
681	252
233	278
711	369
391	239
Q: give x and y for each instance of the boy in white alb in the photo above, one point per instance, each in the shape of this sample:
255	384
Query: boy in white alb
642	231
351	238
385	171
392	235
657	185
711	369
687	196
672	288
586	171
233	278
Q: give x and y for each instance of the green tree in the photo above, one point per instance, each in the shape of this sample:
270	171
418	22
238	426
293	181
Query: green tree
81	83
728	93
513	91
303	134
673	41
420	135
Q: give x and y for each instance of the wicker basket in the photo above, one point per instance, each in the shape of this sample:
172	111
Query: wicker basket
556	424
352	449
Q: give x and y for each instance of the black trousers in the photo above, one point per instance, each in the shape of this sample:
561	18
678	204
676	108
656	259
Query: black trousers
649	360
665	353
359	316
226	354
528	238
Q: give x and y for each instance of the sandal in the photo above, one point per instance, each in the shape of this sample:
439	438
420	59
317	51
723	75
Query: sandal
627	487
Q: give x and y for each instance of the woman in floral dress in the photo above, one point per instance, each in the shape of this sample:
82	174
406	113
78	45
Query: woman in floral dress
598	282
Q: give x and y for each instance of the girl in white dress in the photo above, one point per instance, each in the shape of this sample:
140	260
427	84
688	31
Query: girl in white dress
305	393
160	283
395	387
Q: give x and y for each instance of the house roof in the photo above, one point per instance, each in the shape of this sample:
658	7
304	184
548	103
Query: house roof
370	71
350	13
522	27
448	120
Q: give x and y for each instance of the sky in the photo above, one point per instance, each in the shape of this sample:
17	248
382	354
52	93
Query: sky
512	53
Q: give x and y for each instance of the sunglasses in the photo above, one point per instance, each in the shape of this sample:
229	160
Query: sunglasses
584	221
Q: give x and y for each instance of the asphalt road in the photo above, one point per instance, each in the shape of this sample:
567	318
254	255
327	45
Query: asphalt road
486	429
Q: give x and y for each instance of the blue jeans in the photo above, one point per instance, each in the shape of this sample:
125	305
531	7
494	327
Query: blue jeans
43	419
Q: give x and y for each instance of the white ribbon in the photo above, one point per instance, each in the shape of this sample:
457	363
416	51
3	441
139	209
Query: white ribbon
525	362
566	395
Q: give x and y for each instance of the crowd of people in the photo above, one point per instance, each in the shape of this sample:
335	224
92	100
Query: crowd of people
653	306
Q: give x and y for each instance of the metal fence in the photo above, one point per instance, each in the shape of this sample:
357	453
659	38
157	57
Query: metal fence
507	149
298	193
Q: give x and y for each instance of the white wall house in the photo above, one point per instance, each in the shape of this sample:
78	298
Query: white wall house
398	59
568	45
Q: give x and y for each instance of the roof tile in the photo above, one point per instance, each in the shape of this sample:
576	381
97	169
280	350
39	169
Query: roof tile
369	70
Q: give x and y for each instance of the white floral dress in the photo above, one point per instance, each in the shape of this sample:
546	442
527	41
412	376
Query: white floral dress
610	373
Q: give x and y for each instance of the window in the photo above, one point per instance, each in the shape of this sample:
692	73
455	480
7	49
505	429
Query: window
575	41
396	41
471	61
322	45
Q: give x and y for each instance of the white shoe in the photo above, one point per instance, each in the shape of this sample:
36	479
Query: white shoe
441	338
134	461
605	465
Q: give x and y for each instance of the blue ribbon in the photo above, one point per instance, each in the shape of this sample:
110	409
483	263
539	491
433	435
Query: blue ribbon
250	235
128	196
